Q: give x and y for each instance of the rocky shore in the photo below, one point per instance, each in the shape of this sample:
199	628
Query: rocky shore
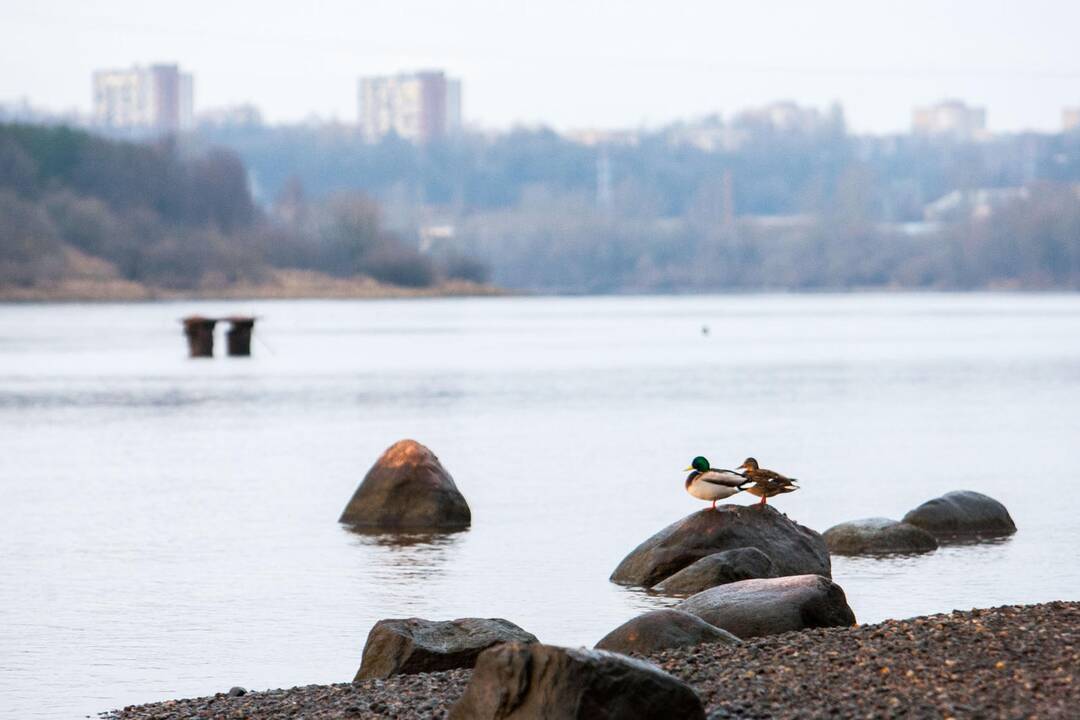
1007	662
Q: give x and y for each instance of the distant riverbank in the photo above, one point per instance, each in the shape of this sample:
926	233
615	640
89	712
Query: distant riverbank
1012	661
276	285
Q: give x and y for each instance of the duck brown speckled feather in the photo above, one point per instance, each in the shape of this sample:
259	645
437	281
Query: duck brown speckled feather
767	483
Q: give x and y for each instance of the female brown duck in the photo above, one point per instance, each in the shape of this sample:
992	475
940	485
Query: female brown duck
766	482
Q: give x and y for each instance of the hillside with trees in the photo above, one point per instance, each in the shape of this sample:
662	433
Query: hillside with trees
707	207
76	208
808	206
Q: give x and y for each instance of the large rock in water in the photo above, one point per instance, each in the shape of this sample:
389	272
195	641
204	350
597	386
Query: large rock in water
793	549
663	630
962	512
407	489
413	645
771	606
718	569
878	536
543	682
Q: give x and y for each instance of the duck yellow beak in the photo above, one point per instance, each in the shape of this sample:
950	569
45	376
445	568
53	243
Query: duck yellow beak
685	469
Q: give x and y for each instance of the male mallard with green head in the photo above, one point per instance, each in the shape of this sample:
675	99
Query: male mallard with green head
707	483
766	483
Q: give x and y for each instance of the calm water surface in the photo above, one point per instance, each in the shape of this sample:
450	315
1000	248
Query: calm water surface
169	525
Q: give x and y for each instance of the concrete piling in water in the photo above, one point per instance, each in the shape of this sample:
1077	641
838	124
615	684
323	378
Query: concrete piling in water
238	336
200	335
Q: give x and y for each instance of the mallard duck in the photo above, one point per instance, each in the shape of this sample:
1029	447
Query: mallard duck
707	483
766	483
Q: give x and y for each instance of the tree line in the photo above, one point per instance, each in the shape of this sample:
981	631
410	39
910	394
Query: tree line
810	208
798	208
173	217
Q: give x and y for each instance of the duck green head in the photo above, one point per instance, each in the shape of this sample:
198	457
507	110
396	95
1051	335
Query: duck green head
700	464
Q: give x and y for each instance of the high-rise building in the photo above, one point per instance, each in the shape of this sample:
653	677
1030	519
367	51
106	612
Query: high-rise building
453	106
156	99
950	119
1070	119
787	116
419	107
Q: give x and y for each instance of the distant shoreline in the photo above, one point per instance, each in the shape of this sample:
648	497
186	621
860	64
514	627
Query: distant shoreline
279	285
309	285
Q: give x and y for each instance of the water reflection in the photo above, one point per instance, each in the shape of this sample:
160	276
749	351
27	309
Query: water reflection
877	566
406	555
645	599
883	565
968	540
382	538
882	554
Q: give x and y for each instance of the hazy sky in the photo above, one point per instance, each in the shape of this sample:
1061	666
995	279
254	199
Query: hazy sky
569	63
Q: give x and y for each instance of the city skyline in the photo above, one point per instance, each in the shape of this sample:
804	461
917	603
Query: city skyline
425	105
418	106
155	98
568	67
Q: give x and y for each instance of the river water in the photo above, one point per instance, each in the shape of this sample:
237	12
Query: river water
169	525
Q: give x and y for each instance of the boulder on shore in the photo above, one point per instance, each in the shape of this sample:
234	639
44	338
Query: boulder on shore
414	645
793	549
718	569
544	682
750	608
407	489
962	512
663	630
878	536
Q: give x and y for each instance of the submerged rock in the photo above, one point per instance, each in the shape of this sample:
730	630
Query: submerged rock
544	682
413	645
750	608
962	512
793	549
407	488
663	630
718	569
878	536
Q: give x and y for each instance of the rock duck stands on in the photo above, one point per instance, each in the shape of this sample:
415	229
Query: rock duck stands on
792	548
413	645
407	489
544	682
962	513
878	536
663	630
751	608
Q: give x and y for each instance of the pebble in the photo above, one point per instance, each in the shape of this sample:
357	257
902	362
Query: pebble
1006	662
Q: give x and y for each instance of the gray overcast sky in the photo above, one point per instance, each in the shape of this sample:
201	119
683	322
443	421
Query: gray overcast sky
569	63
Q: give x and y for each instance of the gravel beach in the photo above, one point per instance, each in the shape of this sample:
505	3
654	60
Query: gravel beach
1007	662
